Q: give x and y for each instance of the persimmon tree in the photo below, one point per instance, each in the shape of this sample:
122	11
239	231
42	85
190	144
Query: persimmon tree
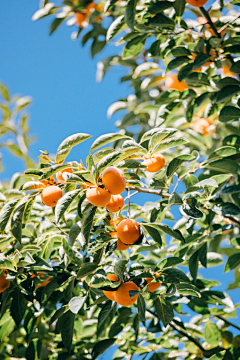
85	266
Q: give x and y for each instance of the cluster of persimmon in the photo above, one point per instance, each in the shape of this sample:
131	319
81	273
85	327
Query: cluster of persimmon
122	296
83	16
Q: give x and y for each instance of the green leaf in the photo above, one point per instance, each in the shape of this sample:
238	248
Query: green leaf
227	81
193	265
116	26
86	270
74	232
192	211
164	310
160	6
169	143
107	160
173	64
46	246
176	162
235	68
4	92
161	135
6	213
232	262
166	229
134	47
17	218
130	13
55	24
224	166
105	313
87	223
218	356
226	209
67	145
179	7
141	306
52	170
99	280
154	233
178	50
212	334
169	261
67	326
5	263
197	79
64	203
226	93
33	185
174	276
18	306
74	256
229	113
175	199
161	21
76	303
120	267
223	151
188	289
102	346
106	139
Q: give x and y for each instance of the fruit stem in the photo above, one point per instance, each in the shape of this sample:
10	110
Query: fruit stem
149	191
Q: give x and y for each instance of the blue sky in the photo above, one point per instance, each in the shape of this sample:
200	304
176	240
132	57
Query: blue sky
61	77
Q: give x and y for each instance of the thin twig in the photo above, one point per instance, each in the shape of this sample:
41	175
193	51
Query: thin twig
63	232
183	175
181	331
233	219
227	322
149	191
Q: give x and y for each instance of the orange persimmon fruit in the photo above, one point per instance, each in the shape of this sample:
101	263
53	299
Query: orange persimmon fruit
4	283
153	286
50	195
128	231
154	162
122	295
116	203
114	181
172	82
98	196
110	294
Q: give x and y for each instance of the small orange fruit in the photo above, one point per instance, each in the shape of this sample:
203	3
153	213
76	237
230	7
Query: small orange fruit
4	283
172	82
114	181
128	231
204	21
98	196
60	173
116	203
154	162
122	296
227	72
152	286
91	8
122	246
197	3
47	281
80	19
50	195
110	294
201	125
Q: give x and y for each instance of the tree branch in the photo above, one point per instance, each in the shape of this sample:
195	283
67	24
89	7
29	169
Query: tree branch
149	191
227	322
181	331
63	232
233	219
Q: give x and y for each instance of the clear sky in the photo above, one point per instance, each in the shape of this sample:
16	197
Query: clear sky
61	77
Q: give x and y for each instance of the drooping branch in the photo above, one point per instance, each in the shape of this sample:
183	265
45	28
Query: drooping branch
181	331
63	232
227	322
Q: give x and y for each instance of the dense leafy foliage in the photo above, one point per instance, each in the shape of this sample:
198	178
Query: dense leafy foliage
57	259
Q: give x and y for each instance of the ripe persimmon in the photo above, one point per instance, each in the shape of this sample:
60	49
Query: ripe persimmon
80	19
4	283
154	162
122	296
50	195
197	3
227	72
128	231
90	8
98	196
172	82
114	181
110	294
59	175
153	286
50	181
116	203
202	125
121	246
